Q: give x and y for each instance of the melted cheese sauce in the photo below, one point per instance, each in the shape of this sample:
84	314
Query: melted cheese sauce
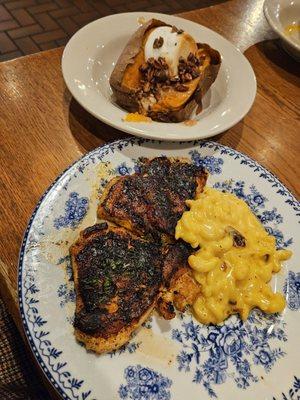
233	279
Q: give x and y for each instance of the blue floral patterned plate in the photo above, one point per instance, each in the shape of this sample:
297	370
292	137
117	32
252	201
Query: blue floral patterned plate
177	359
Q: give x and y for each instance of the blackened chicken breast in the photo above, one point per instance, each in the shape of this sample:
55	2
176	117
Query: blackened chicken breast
121	273
119	278
151	201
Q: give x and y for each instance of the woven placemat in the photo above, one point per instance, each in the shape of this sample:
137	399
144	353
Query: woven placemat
18	376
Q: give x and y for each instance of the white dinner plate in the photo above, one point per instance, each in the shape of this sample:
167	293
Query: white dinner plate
92	52
178	359
283	17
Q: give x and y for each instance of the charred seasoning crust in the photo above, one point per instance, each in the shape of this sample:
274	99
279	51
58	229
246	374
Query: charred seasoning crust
152	201
113	270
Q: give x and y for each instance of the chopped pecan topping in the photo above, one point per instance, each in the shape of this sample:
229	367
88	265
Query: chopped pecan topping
175	29
161	75
157	63
150	61
158	42
155	76
181	88
144	67
195	74
188	69
175	79
163	62
188	77
149	75
192	58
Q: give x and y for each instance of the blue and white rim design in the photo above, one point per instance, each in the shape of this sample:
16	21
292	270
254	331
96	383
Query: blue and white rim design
103	151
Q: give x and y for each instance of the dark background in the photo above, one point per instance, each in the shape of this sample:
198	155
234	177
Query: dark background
29	26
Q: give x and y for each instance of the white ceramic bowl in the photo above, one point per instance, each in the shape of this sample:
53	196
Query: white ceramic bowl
284	18
92	52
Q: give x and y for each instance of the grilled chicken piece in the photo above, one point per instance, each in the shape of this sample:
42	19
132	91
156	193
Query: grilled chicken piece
150	202
120	274
119	279
180	288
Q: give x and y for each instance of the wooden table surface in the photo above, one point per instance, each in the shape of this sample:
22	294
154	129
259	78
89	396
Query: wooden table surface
43	130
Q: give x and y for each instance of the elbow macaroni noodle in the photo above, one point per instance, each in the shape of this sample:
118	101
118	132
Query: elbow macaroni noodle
233	276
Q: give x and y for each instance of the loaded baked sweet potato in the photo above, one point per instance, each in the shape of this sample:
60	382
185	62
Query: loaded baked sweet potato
163	73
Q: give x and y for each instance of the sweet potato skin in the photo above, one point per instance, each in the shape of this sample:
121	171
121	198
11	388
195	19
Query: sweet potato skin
127	98
124	97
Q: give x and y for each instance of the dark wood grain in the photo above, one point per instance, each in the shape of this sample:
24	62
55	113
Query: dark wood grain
43	130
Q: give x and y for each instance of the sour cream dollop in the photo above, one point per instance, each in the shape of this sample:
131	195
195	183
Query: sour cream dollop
173	47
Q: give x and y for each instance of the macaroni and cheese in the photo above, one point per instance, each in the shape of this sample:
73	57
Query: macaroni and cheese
235	259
